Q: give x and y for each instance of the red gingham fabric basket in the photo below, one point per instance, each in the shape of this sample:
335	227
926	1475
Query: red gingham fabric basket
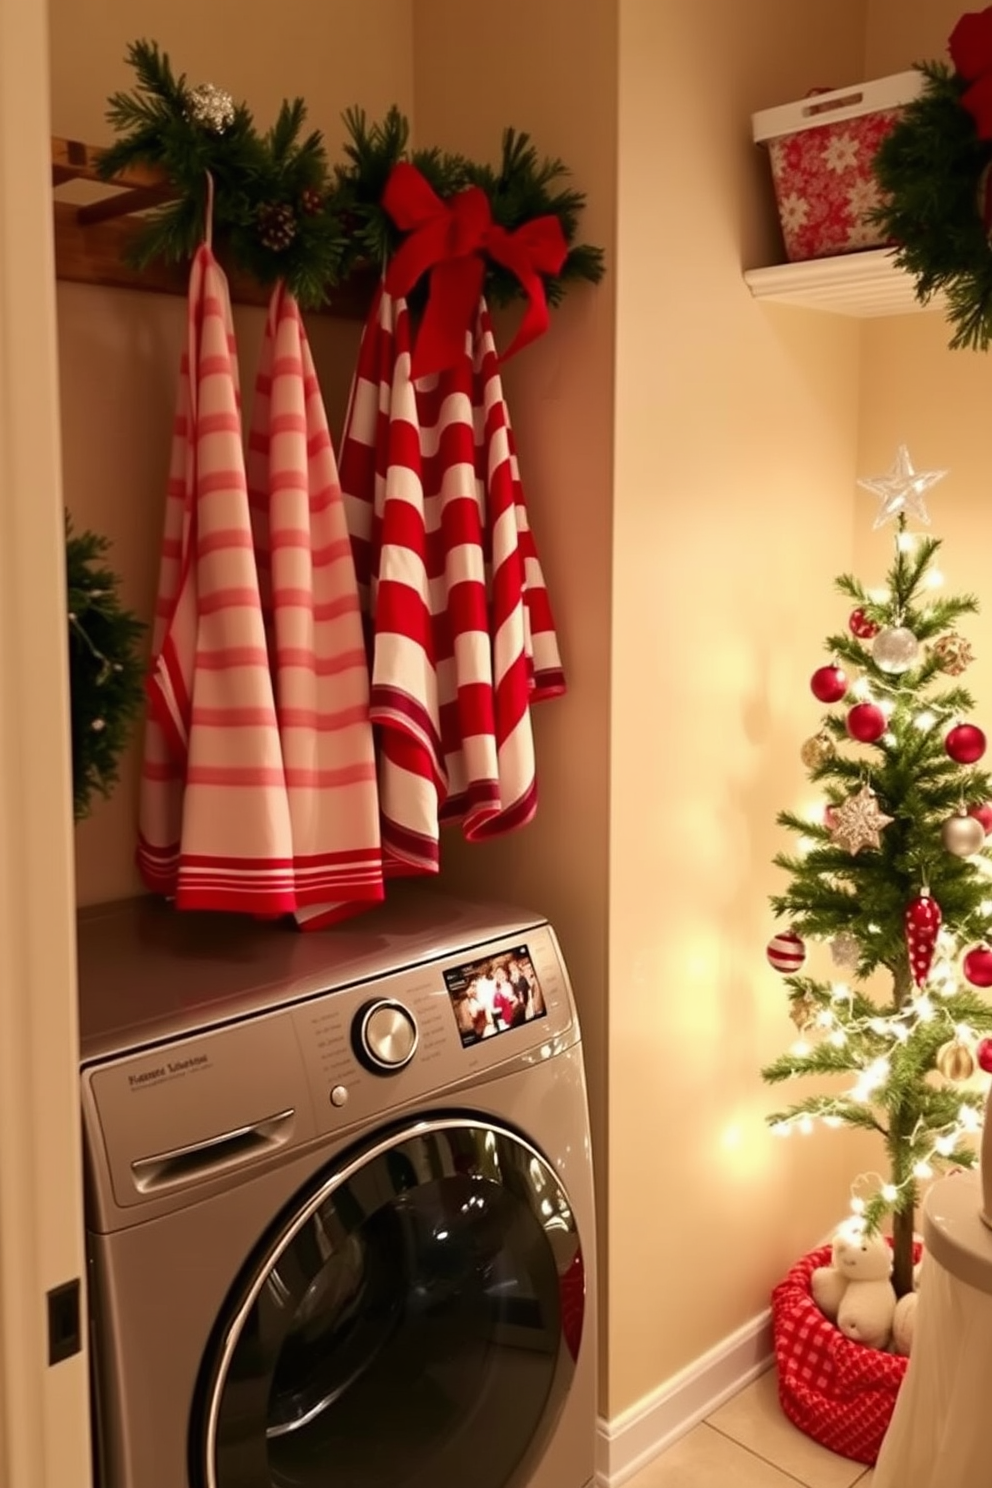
840	1393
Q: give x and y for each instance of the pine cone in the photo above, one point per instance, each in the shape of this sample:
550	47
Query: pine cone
276	225
310	202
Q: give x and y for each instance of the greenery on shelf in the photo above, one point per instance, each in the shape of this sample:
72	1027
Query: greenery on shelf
930	168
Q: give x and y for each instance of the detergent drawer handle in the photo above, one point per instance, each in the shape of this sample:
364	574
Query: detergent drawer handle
200	1159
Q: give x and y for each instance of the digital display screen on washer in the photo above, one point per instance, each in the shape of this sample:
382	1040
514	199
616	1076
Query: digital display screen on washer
495	994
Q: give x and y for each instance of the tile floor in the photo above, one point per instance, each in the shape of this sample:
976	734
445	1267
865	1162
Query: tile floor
748	1443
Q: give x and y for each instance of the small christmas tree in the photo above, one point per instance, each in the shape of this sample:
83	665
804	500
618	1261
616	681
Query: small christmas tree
894	874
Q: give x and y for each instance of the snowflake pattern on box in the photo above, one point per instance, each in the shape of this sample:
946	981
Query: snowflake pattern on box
824	185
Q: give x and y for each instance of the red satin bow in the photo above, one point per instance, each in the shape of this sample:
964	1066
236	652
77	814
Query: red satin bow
449	240
970	46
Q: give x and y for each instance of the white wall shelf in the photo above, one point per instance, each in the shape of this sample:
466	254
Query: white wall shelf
854	284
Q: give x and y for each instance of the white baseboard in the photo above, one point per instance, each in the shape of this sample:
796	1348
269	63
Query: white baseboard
625	1444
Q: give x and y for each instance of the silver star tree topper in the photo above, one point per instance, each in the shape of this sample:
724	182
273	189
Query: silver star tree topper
901	490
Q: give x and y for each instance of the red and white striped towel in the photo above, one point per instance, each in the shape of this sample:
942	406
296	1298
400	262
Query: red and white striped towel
462	637
317	652
214	822
526	663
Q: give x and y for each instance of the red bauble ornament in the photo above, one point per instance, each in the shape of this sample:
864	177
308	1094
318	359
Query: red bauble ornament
922	922
965	743
977	966
829	684
861	626
786	951
984	1054
866	722
983	814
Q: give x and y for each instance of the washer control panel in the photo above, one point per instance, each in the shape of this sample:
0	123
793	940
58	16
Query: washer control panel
421	1031
384	1035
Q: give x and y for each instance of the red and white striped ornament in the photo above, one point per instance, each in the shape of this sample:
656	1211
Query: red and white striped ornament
786	952
922	922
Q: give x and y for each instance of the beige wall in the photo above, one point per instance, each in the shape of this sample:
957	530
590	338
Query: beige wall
119	351
560	393
736	432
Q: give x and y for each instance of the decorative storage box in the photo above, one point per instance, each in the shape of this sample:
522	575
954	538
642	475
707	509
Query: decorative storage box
821	152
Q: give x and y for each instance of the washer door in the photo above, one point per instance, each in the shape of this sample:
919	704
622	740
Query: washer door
414	1324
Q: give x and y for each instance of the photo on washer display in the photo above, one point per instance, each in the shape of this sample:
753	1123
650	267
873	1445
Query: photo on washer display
495	994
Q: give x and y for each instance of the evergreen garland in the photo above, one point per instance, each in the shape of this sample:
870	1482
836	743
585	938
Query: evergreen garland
106	671
931	167
281	212
255	178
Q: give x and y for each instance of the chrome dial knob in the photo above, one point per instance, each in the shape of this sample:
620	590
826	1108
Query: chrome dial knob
385	1036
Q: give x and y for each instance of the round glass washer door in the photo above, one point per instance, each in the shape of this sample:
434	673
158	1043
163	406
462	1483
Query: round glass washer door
414	1323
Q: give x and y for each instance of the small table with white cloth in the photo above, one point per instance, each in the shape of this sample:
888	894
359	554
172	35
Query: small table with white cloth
939	1434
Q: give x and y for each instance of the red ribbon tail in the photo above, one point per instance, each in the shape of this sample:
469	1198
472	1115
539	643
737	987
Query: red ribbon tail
536	317
456	287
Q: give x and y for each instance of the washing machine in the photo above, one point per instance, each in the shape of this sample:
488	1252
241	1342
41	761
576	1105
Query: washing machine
339	1201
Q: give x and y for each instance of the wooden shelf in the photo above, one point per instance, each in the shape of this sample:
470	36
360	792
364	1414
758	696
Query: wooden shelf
861	285
91	236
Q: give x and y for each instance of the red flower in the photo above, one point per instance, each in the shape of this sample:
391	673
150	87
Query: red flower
970	46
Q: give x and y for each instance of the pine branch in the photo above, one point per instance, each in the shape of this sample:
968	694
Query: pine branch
105	669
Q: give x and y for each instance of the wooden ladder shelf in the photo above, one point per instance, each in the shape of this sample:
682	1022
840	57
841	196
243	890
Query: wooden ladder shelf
90	239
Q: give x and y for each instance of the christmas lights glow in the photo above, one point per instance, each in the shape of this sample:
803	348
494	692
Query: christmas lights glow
894	899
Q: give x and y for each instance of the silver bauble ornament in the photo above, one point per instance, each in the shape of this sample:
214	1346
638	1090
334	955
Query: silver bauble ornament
955	1061
845	950
210	107
895	649
817	750
962	835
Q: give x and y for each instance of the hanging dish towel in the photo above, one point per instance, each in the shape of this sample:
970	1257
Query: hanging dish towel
460	630
526	665
314	628
214	820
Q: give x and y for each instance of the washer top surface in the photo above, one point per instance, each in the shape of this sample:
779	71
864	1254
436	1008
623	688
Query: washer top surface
149	972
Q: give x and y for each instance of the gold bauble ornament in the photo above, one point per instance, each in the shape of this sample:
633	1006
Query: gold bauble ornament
953	653
802	1008
955	1061
816	751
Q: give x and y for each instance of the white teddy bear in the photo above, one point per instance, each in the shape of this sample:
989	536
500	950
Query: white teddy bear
854	1290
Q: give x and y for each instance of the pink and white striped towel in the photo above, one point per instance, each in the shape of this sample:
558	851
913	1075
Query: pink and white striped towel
461	631
313	621
214	817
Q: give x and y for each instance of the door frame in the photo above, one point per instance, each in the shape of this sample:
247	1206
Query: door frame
44	1410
